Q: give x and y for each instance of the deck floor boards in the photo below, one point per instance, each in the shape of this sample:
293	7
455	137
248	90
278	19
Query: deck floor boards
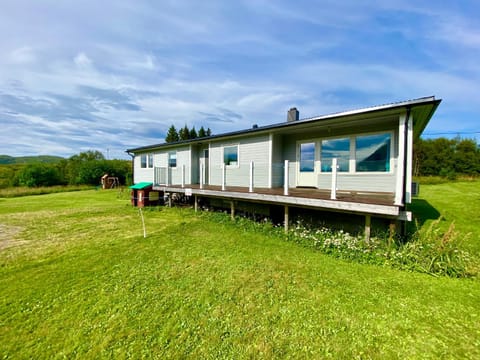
375	198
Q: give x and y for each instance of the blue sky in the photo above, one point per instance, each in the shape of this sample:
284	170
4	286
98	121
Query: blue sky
111	75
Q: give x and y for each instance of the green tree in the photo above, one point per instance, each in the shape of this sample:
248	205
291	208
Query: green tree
193	133
184	133
172	135
39	175
467	157
201	132
85	167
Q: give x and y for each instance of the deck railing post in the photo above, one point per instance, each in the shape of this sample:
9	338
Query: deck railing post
285	178
167	182
333	194
183	175
224	170
250	188
201	174
286	220
368	221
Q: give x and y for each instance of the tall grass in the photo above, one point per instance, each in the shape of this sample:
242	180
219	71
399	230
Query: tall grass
40	190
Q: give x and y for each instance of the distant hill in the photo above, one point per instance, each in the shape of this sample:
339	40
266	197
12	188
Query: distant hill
45	159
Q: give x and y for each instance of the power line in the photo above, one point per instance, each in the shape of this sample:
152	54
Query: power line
453	133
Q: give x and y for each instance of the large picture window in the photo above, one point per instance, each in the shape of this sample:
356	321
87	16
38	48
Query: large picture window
335	148
372	153
230	155
172	159
307	157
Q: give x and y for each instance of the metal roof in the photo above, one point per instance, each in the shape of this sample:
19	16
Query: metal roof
422	107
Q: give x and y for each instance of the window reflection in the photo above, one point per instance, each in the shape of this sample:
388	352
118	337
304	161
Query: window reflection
335	148
307	157
230	155
373	153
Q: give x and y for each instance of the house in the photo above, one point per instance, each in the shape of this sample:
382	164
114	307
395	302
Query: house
356	162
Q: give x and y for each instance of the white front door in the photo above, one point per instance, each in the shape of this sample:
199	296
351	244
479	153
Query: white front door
306	175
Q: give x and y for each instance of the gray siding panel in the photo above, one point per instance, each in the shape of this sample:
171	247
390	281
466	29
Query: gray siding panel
379	182
141	174
254	149
278	161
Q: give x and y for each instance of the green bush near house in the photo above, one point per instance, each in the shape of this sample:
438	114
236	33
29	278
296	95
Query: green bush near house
79	280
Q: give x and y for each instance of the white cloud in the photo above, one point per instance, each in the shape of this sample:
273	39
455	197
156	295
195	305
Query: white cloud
23	55
82	60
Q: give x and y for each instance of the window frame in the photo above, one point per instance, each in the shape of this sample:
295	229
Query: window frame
352	161
150	160
143	161
391	150
237	146
315	156
169	159
349	167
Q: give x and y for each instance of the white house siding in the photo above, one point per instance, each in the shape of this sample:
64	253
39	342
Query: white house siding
141	174
183	159
254	149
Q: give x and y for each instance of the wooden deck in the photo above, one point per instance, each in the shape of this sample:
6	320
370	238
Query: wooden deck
374	203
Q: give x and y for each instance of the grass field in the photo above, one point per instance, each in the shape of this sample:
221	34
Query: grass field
78	280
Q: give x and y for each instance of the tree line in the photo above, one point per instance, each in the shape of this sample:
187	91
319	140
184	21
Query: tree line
446	157
186	134
85	168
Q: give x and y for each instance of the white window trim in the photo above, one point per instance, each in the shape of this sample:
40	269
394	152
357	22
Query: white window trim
150	163
141	161
351	139
391	160
238	156
176	159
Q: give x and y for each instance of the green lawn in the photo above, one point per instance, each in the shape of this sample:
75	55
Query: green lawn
457	202
78	280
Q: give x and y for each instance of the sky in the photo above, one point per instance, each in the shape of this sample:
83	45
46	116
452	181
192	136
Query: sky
116	74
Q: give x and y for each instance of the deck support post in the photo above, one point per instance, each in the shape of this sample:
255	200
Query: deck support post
392	229
196	203
368	221
285	221
250	188
232	209
224	170
333	193
169	199
183	176
286	180
202	166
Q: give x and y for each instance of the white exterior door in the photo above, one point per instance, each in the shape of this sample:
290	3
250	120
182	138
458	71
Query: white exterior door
306	174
